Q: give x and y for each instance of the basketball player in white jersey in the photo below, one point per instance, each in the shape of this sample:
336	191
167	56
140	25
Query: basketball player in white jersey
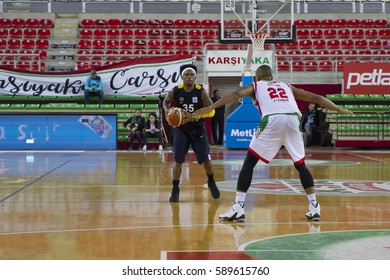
280	125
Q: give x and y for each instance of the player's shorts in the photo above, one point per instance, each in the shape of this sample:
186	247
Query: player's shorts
273	132
196	138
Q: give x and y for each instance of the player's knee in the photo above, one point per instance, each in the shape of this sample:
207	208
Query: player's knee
305	175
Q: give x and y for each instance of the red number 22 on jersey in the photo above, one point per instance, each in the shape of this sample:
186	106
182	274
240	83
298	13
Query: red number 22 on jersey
277	93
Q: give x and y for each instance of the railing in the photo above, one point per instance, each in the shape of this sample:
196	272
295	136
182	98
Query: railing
5	2
86	2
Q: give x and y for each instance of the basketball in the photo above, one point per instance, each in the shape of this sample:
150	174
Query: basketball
176	116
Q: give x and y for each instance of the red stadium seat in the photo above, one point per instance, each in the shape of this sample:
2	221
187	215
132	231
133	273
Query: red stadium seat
311	65
126	33
18	23
154	33
194	34
167	23
84	44
140	23
316	34
96	64
83	55
98	44
3	33
296	54
280	46
154	44
196	44
361	44
97	54
275	23
5	23
357	33
384	33
112	44
375	44
27	55
43	33
182	52
15	33
168	34
371	33
85	33
181	44
313	23
283	66
99	34
347	44
180	23
154	52
303	34
322	54
325	65
126	44
140	34
293	46
207	23
14	44
42	54
327	23
298	66
362	54
308	55
305	44
300	23
38	66
125	55
319	44
32	23
209	34
344	33
113	54
381	54
140	52
168	44
193	23
386	45
101	23
181	34
285	23
353	23
28	44
45	23
127	23
380	23
154	23
330	33
87	23
333	44
10	54
114	33
23	65
350	54
113	23
140	44
340	23
281	55
367	23
340	65
168	52
233	23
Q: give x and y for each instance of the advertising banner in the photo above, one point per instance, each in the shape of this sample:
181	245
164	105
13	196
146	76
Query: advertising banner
58	132
367	78
139	76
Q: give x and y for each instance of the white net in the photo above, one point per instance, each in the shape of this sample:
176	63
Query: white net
258	40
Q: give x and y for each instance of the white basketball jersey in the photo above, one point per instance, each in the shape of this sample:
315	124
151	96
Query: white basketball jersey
273	97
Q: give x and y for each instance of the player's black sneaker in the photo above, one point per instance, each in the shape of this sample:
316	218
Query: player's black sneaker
174	195
213	189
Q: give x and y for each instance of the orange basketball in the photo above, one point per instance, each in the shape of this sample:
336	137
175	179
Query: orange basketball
176	116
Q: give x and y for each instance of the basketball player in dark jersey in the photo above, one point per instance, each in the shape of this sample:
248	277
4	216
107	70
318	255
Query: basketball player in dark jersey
190	97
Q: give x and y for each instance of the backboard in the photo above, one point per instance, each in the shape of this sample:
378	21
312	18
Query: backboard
241	17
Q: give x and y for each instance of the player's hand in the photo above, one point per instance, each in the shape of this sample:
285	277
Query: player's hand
202	111
345	111
188	117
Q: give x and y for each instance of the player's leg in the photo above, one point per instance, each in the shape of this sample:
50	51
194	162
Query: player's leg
295	147
201	148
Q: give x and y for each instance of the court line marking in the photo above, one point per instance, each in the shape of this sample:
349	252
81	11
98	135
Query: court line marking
29	184
199	225
365	157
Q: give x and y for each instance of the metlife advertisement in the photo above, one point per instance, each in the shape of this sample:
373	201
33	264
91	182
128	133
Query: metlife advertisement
58	132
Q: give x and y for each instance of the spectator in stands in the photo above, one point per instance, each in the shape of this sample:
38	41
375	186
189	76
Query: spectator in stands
152	130
310	122
93	87
135	125
218	120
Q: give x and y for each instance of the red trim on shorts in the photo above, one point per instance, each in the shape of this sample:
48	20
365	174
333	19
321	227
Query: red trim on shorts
258	156
299	162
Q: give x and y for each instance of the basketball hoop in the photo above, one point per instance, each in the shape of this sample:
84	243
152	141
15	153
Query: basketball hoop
258	39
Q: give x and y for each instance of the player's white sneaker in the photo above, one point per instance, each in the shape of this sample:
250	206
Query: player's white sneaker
235	213
314	212
160	147
144	148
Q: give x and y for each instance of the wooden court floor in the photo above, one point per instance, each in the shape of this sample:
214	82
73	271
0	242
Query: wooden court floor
92	205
